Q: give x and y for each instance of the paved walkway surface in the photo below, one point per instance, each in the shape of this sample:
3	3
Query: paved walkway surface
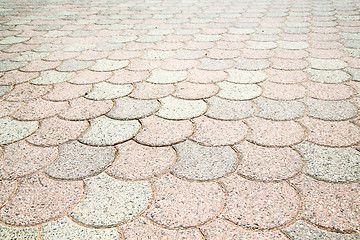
194	119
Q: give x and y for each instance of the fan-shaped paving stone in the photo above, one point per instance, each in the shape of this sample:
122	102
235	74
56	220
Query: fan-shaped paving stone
268	164
288	64
215	65
104	131
67	91
299	229
142	228
241	76
222	229
83	109
73	65
175	198
275	133
26	92
5	90
222	54
354	72
165	77
7	190
54	131
137	162
9	233
234	91
109	202
178	64
90	77
143	64
29	56
203	76
79	161
193	91
52	77
260	45
39	109
279	110
60	55
16	77
291	54
329	205
40	199
200	163
40	65
189	54
213	132
223	109
252	64
330	110
13	40
124	76
330	164
64	228
278	91
171	131
292	45
331	133
105	65
178	109
326	64
323	76
7	108
12	130
147	91
279	76
328	91
20	159
156	55
104	90
258	205
128	108
124	55
9	65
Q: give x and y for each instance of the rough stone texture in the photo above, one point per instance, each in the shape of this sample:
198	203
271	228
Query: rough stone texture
234	91
9	233
12	130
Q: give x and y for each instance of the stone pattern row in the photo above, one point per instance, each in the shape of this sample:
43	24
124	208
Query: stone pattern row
179	120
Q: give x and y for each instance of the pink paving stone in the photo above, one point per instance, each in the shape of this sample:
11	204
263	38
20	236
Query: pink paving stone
178	38
8	56
282	91
21	159
222	54
294	37
7	108
40	199
143	228
7	189
212	132
279	76
21	47
331	133
328	91
203	76
192	91
325	44
67	91
330	205
89	77
26	92
289	64
225	230
268	164
135	46
39	39
235	38
192	45
229	45
213	30
156	131
61	55
84	109
124	76
179	65
291	54
353	62
275	133
92	55
256	53
173	206
124	55
39	109
167	46
258	205
138	162
54	131
146	90
40	65
143	65
324	36
325	53
16	77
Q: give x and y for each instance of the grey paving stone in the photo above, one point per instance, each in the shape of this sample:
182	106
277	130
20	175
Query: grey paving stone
279	110
224	109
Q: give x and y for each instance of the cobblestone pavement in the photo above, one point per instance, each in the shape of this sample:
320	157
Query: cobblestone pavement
169	119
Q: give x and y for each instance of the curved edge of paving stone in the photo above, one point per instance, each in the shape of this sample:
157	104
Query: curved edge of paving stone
105	131
331	164
12	130
109	202
105	91
12	233
64	228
